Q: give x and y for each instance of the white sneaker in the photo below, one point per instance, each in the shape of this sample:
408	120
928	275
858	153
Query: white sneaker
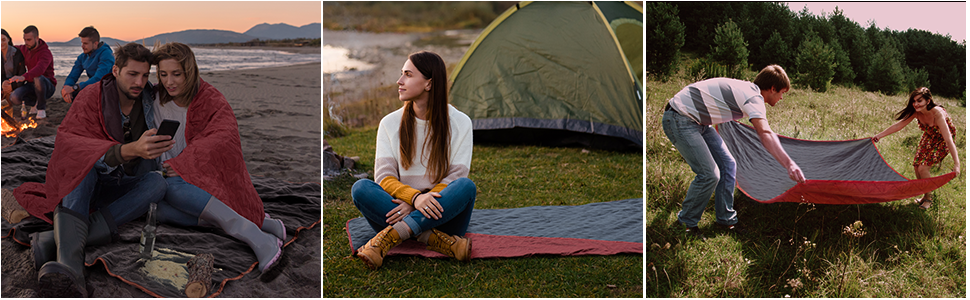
41	114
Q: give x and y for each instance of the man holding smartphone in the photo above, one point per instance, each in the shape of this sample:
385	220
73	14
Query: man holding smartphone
103	161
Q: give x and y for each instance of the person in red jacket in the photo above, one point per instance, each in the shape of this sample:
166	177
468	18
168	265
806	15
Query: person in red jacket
40	73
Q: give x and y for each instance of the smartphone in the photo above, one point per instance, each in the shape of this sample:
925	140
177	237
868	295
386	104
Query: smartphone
168	127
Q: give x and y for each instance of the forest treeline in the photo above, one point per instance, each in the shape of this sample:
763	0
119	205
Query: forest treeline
816	51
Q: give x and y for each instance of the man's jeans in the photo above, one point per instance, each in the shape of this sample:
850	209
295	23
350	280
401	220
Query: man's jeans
713	165
29	95
120	201
457	200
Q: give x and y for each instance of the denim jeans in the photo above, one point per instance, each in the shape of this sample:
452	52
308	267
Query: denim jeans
120	201
458	200
183	203
708	157
29	95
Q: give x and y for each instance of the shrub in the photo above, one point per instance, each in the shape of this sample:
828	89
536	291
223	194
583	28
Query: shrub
705	68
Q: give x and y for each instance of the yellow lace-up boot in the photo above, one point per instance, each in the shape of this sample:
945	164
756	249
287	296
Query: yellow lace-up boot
451	245
374	251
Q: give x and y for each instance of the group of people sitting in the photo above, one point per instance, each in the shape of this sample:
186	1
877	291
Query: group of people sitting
109	165
28	69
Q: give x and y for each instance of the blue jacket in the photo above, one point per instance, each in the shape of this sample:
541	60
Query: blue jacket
97	64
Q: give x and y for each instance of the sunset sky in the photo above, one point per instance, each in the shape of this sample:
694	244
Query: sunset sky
130	20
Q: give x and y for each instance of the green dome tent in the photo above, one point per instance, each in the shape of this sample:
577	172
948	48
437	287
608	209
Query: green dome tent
556	73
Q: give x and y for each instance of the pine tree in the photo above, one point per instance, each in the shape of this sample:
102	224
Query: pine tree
664	38
730	49
815	63
775	51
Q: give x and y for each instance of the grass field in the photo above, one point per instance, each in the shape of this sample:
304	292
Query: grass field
506	177
799	250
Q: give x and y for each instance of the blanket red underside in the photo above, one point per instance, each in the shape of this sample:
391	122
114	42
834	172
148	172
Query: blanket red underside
501	246
858	192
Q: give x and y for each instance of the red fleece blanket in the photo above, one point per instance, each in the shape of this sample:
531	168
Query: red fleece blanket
82	138
212	159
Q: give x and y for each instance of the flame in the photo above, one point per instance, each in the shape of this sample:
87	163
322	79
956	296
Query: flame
8	129
11	130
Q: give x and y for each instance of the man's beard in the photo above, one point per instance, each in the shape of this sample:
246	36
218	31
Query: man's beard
130	97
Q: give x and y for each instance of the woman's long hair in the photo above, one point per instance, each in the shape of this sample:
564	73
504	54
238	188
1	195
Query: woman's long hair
184	56
4	32
431	67
909	110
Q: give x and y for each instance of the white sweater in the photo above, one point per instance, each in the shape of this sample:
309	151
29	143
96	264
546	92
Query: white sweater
388	158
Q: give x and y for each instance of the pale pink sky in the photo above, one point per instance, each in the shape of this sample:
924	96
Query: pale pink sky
936	17
60	21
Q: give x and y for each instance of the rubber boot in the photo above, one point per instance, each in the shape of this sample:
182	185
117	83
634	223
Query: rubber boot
374	251
274	226
65	277
268	248
454	246
44	249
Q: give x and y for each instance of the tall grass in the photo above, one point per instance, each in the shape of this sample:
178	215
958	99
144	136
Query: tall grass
506	177
804	250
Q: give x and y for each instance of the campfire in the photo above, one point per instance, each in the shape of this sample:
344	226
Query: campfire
13	126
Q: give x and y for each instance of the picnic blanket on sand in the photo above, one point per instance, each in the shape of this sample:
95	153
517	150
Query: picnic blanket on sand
605	228
114	270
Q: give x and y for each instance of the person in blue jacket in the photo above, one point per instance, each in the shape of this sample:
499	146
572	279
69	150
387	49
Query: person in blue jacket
96	60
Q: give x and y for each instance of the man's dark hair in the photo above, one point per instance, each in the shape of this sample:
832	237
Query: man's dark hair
133	51
90	32
33	29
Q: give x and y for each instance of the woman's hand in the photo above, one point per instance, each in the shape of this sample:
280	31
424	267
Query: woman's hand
875	138
169	171
398	213
428	205
956	168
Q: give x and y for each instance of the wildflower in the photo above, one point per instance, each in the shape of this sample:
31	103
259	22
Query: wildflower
855	230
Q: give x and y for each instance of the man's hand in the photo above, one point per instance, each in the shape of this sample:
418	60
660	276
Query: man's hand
7	88
66	93
398	213
428	205
795	173
148	146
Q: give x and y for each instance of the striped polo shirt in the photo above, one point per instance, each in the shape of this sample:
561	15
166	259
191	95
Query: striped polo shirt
719	100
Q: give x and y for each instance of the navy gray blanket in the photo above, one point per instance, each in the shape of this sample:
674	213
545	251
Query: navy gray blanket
605	228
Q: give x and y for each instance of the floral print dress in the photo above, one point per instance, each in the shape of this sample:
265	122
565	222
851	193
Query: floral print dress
932	146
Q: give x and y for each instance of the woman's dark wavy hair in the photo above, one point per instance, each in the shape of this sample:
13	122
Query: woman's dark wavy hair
909	110
431	67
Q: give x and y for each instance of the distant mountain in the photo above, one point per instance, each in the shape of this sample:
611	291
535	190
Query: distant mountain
77	42
199	36
263	31
280	31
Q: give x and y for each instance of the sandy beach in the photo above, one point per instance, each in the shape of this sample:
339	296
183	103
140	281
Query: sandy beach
278	114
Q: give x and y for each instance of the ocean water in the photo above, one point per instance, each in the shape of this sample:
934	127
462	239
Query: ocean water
208	59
